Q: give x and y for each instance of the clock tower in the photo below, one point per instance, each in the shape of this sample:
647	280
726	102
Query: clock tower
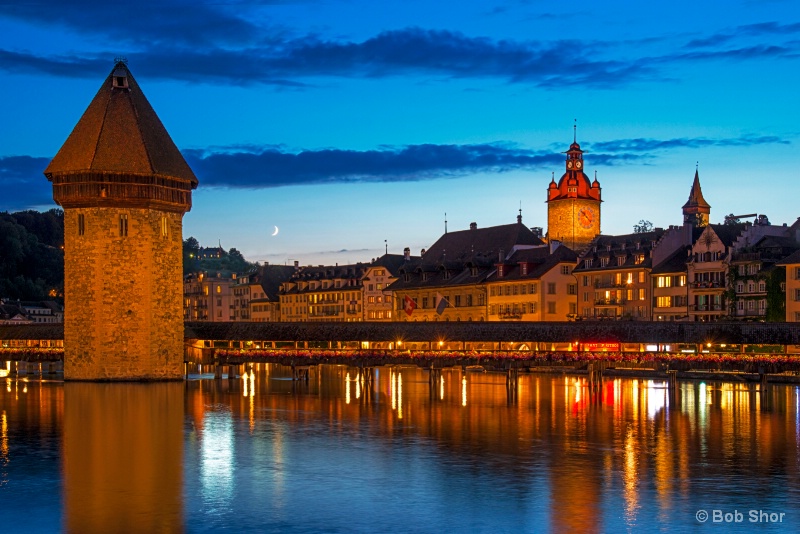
573	204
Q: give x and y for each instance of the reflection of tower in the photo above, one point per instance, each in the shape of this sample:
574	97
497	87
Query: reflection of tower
123	457
124	187
573	205
696	211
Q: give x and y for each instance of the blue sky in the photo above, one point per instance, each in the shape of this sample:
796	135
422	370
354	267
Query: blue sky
354	124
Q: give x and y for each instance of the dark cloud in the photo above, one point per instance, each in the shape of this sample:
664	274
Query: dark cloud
22	184
272	167
649	145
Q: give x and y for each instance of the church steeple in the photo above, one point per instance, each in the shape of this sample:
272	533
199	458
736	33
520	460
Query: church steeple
696	211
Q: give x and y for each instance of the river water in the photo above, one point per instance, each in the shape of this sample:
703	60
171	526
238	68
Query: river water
395	452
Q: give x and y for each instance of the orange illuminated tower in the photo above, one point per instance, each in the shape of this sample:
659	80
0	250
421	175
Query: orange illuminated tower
124	187
573	204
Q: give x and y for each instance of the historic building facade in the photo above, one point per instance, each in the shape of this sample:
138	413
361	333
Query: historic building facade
124	187
573	204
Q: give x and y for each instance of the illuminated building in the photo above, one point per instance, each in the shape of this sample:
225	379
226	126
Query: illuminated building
265	283
208	297
573	204
614	276
380	274
124	187
534	285
448	282
324	294
792	265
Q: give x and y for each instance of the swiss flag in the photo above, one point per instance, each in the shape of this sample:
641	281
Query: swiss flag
409	305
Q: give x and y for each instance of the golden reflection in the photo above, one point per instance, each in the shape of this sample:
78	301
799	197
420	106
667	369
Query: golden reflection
393	388
347	388
441	387
358	386
631	478
464	390
123	457
399	395
3	439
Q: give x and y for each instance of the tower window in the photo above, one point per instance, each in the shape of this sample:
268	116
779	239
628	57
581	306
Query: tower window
164	227
123	225
81	224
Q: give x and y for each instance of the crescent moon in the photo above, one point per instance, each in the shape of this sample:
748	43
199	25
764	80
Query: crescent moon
276	231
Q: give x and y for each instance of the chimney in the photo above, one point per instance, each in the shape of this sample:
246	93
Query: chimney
296	264
422	252
501	256
554	244
407	254
473	226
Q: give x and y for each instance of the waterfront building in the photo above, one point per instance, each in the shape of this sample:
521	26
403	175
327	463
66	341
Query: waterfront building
240	299
448	281
573	204
13	314
323	293
124	187
792	265
613	276
46	311
670	290
379	275
534	284
265	283
208	297
756	283
707	272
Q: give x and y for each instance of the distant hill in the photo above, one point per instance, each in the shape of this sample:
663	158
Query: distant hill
31	255
197	258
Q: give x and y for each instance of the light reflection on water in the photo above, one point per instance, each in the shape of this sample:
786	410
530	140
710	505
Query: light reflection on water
390	450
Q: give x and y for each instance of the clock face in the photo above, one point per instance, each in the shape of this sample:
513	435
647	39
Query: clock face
578	164
569	164
586	217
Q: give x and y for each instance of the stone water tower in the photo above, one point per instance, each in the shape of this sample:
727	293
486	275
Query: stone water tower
124	187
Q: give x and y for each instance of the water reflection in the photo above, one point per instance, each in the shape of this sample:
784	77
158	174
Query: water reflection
396	448
122	457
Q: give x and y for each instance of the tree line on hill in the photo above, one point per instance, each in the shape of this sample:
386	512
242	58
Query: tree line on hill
32	256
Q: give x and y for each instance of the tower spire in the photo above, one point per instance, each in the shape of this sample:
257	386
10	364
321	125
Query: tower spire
575	131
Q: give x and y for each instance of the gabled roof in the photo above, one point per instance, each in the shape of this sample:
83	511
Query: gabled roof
727	233
270	277
463	245
120	133
539	261
791	259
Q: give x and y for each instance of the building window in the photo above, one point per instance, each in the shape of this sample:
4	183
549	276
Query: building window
641	293
572	289
630	294
603	262
551	308
565	269
663	302
524	268
585	281
762	286
641	277
81	224
469	300
740	287
587	264
551	288
458	301
123	225
164	227
639	259
620	260
586	296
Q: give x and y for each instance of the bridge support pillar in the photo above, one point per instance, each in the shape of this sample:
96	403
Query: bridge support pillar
22	368
595	376
217	371
512	381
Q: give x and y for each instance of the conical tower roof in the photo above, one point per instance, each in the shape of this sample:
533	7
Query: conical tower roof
696	199
120	155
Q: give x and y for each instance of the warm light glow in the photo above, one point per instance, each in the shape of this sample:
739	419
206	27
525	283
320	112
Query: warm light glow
441	388
399	396
347	388
464	390
358	386
441	343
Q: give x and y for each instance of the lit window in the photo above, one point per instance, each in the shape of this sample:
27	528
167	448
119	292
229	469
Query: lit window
81	224
123	225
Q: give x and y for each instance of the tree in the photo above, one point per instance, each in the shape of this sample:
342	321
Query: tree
731	219
642	227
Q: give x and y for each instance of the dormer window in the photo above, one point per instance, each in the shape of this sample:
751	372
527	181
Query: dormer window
500	270
473	271
119	79
587	264
524	268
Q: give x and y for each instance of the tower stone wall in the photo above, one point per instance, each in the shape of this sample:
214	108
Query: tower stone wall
123	294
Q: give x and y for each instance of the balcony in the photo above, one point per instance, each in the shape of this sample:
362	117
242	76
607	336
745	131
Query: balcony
609	285
706	285
610	302
510	316
706	307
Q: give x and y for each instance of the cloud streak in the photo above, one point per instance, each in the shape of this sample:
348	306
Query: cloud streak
22	184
